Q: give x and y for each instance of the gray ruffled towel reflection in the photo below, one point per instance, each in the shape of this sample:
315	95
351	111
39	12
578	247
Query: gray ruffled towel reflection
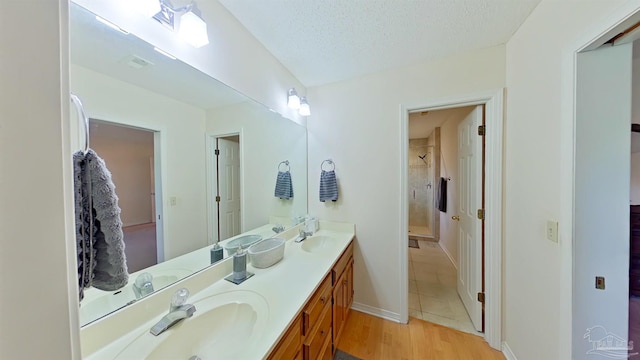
99	238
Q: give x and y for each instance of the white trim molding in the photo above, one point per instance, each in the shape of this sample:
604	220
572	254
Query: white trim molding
381	313
506	350
494	120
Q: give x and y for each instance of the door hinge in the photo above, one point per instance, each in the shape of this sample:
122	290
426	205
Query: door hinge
482	129
218	198
217	152
481	214
481	297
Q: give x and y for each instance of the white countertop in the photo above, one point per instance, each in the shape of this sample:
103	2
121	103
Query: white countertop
286	287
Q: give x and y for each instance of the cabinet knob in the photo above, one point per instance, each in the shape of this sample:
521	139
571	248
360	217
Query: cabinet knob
321	332
322	299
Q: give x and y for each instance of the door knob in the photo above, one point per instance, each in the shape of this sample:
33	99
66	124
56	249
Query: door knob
456	218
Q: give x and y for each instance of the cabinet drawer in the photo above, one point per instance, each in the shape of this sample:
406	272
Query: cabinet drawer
289	346
316	305
342	263
327	351
318	337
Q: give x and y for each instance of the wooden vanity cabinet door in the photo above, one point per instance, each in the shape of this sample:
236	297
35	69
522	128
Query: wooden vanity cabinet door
342	295
291	343
349	292
338	308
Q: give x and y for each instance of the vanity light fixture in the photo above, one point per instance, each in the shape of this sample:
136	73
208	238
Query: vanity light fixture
305	110
193	30
293	100
111	25
185	20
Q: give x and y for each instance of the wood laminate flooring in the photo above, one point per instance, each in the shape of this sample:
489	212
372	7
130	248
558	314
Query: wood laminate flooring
370	338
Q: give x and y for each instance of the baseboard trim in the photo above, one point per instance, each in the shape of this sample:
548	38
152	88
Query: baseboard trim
374	311
448	255
506	350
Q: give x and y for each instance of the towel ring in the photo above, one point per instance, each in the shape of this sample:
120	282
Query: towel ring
286	163
330	162
83	119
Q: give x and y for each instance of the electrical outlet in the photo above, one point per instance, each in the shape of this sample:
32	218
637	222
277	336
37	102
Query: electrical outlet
173	201
552	231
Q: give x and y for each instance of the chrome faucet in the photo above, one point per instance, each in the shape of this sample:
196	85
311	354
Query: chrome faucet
143	285
278	228
303	235
178	310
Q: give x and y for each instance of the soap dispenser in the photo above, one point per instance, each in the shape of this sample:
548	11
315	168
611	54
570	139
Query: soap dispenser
216	253
240	272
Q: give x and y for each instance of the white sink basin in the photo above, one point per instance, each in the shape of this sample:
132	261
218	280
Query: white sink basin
224	326
316	244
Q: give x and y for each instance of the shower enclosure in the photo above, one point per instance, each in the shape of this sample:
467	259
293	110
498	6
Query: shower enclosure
421	188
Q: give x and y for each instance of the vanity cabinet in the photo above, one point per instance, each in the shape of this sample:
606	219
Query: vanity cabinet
289	345
317	328
342	292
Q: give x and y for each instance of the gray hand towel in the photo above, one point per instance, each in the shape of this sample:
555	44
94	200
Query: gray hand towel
110	271
328	186
284	188
99	238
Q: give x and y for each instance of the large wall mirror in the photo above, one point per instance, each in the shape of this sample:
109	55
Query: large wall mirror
193	161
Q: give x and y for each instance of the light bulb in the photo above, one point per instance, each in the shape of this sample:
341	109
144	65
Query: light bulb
305	110
193	30
293	100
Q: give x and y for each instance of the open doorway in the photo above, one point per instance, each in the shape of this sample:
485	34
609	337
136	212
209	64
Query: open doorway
130	155
491	281
445	270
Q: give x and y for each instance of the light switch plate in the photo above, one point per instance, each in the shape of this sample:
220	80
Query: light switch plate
173	201
552	231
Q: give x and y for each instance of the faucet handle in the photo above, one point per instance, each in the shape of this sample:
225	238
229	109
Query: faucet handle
179	298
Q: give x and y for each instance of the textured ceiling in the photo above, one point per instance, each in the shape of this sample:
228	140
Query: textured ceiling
324	41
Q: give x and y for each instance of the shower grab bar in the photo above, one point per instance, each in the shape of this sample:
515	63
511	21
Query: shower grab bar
83	119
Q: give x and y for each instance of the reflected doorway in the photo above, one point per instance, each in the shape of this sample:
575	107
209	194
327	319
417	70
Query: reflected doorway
130	155
225	186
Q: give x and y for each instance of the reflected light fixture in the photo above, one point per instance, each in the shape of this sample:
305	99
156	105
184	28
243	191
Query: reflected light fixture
193	30
305	110
185	20
293	100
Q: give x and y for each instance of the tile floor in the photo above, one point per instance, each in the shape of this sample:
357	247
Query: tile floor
432	288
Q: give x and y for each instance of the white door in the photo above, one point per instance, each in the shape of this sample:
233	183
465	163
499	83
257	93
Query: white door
469	201
229	187
601	204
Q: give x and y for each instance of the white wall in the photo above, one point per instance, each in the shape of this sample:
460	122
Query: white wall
127	153
267	139
357	124
635	137
182	128
538	179
38	316
233	56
